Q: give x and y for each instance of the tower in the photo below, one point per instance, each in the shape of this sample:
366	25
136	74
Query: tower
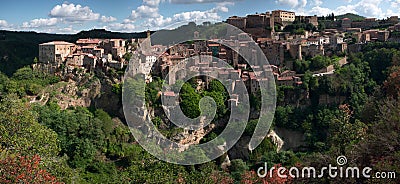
196	35
146	44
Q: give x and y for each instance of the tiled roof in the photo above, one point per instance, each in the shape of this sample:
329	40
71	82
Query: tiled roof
57	43
169	93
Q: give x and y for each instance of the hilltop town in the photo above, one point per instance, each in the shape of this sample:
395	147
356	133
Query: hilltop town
67	115
292	44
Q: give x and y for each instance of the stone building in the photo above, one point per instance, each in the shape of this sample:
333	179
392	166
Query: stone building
260	21
288	78
394	19
257	25
89	62
308	20
55	52
367	23
75	60
397	27
115	47
281	16
312	50
239	22
169	98
274	51
88	42
346	23
383	36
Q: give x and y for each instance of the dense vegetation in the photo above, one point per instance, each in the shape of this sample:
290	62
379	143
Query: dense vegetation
299	28
351	16
314	64
44	143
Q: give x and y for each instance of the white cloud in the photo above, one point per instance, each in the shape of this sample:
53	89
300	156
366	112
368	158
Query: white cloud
149	15
367	8
389	13
37	23
3	24
121	27
200	1
66	30
223	7
61	17
50	29
395	3
345	9
320	11
195	15
293	3
302	3
179	18
144	11
317	3
152	2
159	21
73	13
107	19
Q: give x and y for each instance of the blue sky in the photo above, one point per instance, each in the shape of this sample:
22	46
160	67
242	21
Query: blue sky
72	16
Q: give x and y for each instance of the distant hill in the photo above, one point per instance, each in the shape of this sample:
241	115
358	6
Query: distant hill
352	16
165	37
18	49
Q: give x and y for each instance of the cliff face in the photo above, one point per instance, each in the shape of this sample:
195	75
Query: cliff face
85	90
108	100
89	90
283	139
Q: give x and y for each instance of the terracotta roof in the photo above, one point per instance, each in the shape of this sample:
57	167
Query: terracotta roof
223	72
57	43
213	45
264	39
88	41
88	47
285	78
169	93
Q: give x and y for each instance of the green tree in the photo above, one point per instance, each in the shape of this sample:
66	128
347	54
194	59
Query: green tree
219	99
21	132
190	101
237	168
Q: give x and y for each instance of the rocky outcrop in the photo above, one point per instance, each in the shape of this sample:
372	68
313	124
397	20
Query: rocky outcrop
282	138
83	89
193	137
241	149
226	164
75	93
108	100
276	140
293	140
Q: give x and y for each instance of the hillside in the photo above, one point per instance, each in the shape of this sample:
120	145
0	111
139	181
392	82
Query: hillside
18	49
353	17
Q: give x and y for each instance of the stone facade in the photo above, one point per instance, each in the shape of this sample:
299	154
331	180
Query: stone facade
281	16
308	20
55	52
